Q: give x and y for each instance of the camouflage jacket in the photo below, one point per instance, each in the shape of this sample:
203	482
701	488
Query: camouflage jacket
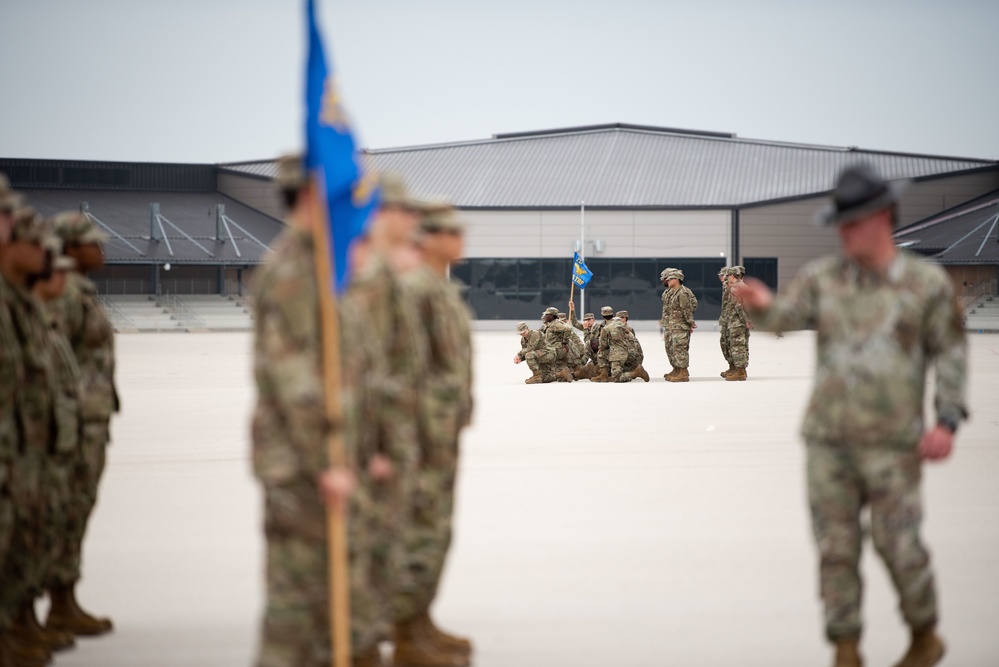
557	334
35	408
587	333
534	341
445	389
678	308
90	335
876	336
66	400
726	299
617	336
11	384
733	313
595	334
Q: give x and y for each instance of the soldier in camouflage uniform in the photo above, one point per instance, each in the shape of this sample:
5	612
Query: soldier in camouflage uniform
445	408
679	304
588	357
86	327
29	551
624	353
536	352
723	321
737	326
557	335
601	350
882	317
290	431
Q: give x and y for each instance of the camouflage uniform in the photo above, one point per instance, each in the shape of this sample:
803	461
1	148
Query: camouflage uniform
445	408
599	352
726	345
587	353
737	333
539	356
290	431
677	321
88	331
557	335
876	335
621	351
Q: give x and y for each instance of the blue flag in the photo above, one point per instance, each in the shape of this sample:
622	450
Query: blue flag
581	275
350	193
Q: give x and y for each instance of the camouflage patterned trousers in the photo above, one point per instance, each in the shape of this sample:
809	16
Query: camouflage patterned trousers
6	534
726	346
621	366
296	624
542	362
678	347
21	572
842	479
738	344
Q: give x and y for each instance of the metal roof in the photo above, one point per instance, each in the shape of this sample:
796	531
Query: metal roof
631	166
126	218
965	234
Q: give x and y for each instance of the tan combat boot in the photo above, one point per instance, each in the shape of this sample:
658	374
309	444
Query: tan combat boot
738	375
725	374
602	377
445	640
667	376
534	379
414	648
925	650
65	614
25	647
679	375
14	654
54	640
640	372
848	654
564	375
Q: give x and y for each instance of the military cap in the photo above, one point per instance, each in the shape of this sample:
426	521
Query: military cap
522	327
9	200
678	274
562	316
551	311
29	227
860	190
442	218
738	271
77	228
588	316
606	310
621	313
723	271
291	172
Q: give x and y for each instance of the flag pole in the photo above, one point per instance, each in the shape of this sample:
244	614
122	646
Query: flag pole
582	252
336	518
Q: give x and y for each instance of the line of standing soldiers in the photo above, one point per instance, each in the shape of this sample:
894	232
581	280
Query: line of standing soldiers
608	352
57	395
405	347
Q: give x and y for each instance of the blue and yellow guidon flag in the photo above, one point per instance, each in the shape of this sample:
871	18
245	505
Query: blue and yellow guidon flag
350	192
581	275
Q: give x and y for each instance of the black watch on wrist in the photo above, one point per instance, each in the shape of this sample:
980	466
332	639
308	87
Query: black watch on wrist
948	423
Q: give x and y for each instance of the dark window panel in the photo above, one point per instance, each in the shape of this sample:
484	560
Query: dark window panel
556	273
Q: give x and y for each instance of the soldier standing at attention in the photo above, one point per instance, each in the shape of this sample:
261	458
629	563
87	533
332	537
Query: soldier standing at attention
723	321
679	304
882	317
290	428
87	329
538	355
737	326
445	396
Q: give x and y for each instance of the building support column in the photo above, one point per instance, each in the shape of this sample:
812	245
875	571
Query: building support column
734	258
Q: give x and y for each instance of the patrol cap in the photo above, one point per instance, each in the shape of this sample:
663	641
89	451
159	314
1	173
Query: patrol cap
291	172
621	313
723	271
441	218
522	327
551	311
29	227
9	200
606	310
588	316
77	229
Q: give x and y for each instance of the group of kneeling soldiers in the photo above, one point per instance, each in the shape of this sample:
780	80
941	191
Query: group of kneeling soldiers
610	351
57	396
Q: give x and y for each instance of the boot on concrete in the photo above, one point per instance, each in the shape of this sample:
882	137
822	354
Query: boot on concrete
413	648
848	654
604	376
738	375
445	640
640	372
67	615
13	654
925	650
54	640
667	376
679	375
534	379
730	369
564	375
25	647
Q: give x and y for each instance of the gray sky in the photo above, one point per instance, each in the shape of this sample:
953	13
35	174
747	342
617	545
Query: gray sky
221	80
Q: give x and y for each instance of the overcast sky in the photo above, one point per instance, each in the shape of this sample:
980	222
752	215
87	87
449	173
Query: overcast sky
221	80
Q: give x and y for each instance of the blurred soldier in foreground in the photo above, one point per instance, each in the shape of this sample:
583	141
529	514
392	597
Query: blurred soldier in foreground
290	430
445	408
538	355
737	326
679	304
882	316
88	331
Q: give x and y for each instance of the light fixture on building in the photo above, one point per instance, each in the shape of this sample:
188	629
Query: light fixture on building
598	245
166	267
